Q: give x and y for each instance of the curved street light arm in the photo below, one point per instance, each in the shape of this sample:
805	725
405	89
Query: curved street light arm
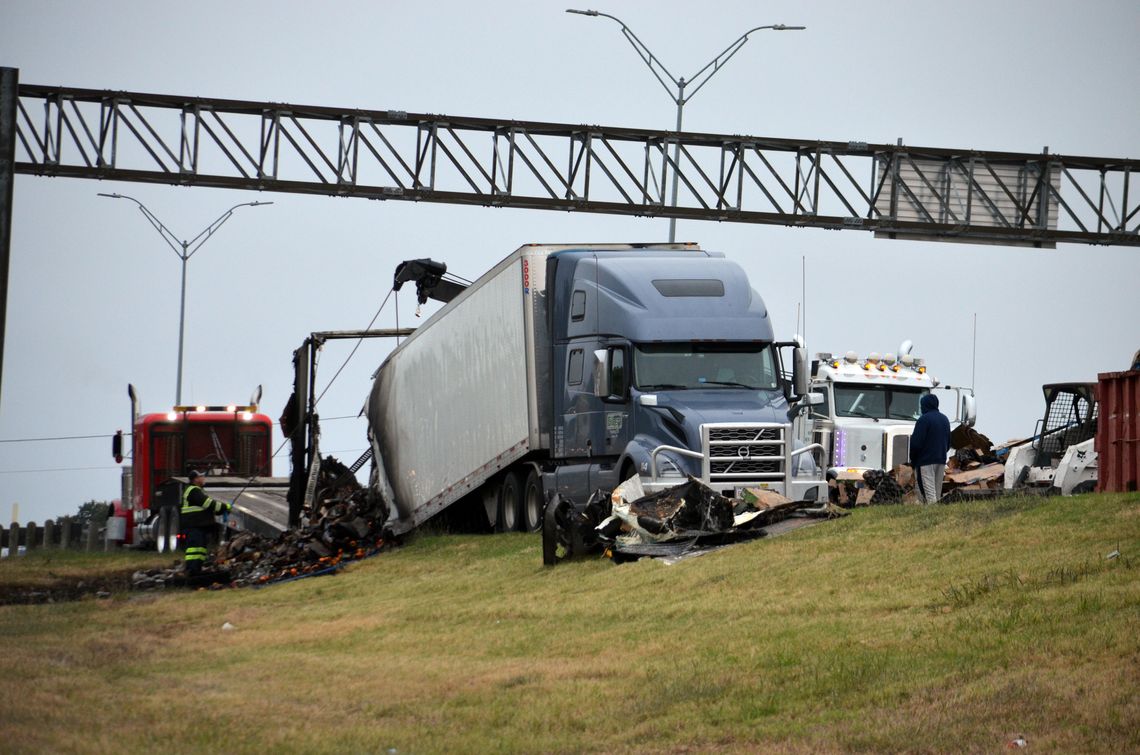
643	52
209	230
167	235
726	54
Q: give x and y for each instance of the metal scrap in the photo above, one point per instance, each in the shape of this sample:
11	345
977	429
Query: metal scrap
684	520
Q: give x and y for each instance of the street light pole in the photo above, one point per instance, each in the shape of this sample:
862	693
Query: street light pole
661	73
185	250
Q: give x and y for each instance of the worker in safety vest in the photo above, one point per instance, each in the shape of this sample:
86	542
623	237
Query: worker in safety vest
197	521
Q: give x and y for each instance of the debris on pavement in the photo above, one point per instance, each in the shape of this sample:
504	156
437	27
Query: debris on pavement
687	519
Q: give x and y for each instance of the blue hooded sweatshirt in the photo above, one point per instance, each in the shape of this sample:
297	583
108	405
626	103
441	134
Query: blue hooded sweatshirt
930	441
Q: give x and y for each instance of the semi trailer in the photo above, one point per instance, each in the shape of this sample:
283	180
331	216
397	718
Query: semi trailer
570	368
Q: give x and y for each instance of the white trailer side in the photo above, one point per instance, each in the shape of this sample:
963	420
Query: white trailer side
455	403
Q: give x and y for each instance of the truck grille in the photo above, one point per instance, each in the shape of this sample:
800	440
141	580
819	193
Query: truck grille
747	434
740	453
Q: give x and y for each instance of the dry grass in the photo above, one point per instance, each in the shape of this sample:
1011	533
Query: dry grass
898	629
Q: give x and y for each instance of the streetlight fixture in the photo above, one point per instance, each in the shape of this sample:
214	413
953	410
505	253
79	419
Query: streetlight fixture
662	73
185	250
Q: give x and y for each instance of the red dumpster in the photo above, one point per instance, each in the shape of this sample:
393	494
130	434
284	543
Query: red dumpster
1118	432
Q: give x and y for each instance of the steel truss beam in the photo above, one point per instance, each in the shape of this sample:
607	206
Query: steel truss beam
894	190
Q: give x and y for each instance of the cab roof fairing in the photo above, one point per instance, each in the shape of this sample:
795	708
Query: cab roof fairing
629	303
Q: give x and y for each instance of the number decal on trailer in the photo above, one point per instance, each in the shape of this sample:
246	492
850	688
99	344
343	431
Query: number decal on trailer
526	276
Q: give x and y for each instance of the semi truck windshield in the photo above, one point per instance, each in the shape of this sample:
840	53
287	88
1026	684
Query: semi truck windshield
674	366
877	402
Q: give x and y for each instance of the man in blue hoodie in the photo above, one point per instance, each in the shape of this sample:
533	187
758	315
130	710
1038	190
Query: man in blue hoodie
929	446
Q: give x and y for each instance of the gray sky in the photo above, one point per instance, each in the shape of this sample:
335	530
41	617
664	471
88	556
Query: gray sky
93	292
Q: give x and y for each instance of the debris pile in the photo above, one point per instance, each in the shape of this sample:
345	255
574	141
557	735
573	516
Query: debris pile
975	470
345	525
683	520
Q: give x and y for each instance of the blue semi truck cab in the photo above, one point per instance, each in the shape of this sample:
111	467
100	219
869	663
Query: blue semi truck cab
667	367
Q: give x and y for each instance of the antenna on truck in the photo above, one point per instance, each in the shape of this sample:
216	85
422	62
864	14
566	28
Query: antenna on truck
803	296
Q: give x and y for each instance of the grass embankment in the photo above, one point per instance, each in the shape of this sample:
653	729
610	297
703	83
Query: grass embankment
50	575
946	628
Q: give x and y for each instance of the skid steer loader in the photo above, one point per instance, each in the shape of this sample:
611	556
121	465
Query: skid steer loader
1060	457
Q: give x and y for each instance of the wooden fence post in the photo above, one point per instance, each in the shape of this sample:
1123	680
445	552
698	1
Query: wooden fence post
49	533
64	533
30	538
92	531
14	540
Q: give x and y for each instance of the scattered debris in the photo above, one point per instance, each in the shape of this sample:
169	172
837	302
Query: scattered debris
684	520
228	627
976	470
887	488
345	526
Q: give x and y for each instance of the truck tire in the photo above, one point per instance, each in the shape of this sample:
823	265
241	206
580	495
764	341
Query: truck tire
510	502
533	501
489	497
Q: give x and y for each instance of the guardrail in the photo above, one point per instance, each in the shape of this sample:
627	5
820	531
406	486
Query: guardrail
64	534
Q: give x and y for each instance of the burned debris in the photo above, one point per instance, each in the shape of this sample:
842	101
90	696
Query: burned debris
346	524
683	520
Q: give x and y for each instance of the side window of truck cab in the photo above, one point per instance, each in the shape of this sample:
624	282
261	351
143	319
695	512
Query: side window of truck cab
574	369
618	374
578	306
822	411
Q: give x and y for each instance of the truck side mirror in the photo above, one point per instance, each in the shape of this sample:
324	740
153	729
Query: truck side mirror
969	410
601	374
799	371
117	446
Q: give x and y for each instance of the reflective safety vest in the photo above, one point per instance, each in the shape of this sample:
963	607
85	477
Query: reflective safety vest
201	511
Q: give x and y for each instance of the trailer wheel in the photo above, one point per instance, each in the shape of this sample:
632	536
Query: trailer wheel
489	496
510	502
557	534
533	501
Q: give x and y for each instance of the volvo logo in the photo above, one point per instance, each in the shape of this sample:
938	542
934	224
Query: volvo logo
744	452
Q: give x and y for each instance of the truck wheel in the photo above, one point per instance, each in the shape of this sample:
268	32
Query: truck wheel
533	501
489	496
556	537
510	502
160	532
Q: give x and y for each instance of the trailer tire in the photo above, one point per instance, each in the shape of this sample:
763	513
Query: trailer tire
510	502
533	501
489	497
